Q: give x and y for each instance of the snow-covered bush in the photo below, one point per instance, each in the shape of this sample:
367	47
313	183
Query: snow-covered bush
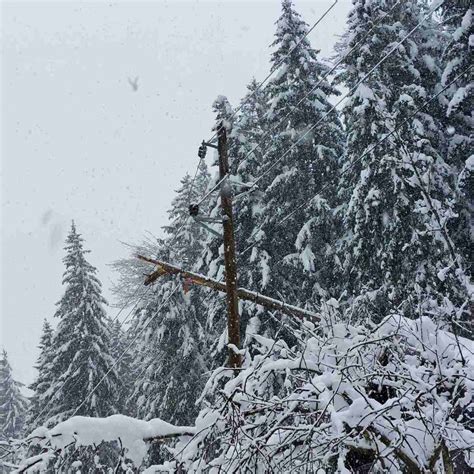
392	397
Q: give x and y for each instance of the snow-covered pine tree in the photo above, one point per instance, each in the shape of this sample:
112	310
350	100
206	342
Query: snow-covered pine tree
365	210
173	354
13	404
296	258
81	356
249	139
458	20
393	190
44	378
429	178
82	348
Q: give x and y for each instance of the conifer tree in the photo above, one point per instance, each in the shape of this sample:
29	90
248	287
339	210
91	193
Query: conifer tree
13	404
299	162
363	179
173	355
429	176
459	104
248	142
395	191
44	379
82	348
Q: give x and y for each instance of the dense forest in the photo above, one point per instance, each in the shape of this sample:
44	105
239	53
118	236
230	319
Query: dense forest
353	200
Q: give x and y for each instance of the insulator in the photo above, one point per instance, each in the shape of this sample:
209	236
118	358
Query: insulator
202	151
193	210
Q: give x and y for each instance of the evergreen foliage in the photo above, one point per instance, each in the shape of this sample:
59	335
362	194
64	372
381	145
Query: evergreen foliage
44	379
395	192
13	404
458	117
297	165
173	346
13	411
79	357
119	343
249	140
82	342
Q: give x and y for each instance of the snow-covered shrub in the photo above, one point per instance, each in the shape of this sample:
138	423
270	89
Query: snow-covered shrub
392	397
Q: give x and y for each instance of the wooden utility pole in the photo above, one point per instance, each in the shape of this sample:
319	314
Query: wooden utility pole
233	318
164	268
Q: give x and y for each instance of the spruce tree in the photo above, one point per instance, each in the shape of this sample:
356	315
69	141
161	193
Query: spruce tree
459	104
172	348
429	176
41	385
249	140
80	358
365	211
396	190
13	404
82	348
300	161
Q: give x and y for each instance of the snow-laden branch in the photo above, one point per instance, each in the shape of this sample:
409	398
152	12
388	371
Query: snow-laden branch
134	436
397	396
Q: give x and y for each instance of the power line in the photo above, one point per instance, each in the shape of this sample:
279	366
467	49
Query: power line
323	78
344	96
275	68
385	137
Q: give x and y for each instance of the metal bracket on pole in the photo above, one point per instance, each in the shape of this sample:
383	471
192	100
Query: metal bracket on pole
210	145
200	221
203	220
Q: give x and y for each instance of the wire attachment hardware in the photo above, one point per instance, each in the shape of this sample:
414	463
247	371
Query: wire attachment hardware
203	220
202	150
193	210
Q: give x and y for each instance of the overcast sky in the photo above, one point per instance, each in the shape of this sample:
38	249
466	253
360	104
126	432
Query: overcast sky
78	143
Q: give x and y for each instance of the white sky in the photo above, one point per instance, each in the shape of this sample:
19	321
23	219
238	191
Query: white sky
78	143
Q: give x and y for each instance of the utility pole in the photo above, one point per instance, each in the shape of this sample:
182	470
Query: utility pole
233	318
